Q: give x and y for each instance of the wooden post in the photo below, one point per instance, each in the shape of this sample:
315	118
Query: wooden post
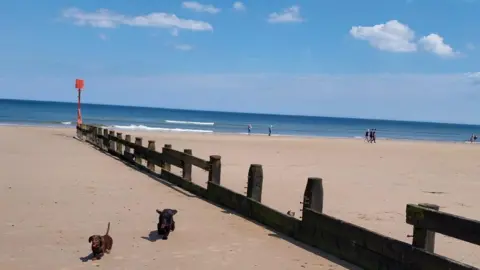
79	132
128	138
187	167
215	169
98	141
313	196
138	159
111	142
105	140
119	144
93	135
165	165
89	133
422	238
255	182
151	146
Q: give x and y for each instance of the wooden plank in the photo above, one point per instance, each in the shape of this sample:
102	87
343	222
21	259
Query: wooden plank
380	244
195	161
183	183
147	154
172	160
447	224
314	233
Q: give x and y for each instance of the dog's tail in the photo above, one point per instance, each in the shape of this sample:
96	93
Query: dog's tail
108	228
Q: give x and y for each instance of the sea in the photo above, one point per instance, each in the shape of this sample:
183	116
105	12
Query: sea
63	114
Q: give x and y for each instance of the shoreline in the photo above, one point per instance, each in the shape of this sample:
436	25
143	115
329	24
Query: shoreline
154	131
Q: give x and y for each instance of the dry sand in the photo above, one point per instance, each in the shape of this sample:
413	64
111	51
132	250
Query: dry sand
55	192
367	184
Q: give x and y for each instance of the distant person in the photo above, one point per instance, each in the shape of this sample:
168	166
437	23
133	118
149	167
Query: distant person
270	130
473	138
249	129
374	135
370	136
367	134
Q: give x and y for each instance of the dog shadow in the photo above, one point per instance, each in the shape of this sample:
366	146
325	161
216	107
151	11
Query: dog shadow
153	236
87	258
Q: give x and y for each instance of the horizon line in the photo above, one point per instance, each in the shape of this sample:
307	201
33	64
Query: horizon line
232	112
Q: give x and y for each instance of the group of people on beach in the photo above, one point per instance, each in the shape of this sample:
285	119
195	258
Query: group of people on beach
473	138
249	128
371	135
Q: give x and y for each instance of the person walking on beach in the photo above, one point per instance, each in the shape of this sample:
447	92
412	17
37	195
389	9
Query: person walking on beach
270	130
473	138
374	135
367	135
249	129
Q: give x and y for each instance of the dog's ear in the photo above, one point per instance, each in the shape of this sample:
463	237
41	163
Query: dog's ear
90	239
174	211
159	212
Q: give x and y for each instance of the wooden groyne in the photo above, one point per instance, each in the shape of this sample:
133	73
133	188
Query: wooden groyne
352	243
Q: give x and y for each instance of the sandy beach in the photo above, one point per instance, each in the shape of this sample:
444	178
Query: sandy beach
57	191
366	184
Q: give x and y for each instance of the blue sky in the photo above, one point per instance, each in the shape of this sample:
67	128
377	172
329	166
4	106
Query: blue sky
396	59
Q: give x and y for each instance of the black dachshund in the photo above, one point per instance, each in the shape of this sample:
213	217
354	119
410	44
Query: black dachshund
166	224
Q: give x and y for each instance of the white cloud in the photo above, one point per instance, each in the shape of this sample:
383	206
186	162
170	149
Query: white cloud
239	6
103	36
195	6
288	15
434	43
104	18
184	47
392	36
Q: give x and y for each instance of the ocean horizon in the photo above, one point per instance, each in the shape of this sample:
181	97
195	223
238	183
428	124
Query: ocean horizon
63	114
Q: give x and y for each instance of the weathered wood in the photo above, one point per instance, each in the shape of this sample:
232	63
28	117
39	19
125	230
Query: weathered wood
128	139
182	156
215	169
166	166
313	195
255	182
79	132
98	139
423	238
445	223
181	182
93	135
111	146
187	166
137	151
171	157
119	143
317	224
151	147
105	141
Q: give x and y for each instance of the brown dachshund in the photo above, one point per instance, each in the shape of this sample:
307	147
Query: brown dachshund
101	244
